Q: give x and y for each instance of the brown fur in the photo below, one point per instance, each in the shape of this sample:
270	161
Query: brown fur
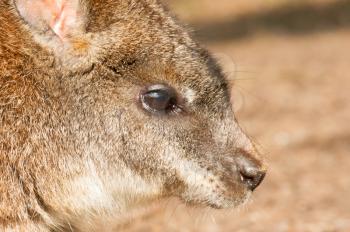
75	147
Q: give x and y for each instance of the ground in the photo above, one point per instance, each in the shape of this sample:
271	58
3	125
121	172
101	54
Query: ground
290	63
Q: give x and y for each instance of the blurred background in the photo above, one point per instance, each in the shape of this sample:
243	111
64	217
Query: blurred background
289	61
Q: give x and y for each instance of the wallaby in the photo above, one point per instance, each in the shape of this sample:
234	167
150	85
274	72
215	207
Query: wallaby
106	106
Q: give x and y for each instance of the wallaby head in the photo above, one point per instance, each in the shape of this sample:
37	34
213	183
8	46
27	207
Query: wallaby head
106	105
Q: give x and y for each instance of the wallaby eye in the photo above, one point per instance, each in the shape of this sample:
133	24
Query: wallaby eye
159	99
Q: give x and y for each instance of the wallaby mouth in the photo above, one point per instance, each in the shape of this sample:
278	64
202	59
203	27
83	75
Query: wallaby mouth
226	183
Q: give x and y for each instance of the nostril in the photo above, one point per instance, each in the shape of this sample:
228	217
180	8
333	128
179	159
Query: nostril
252	177
250	171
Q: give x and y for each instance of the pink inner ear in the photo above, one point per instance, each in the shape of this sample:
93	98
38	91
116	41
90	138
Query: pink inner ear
63	16
60	15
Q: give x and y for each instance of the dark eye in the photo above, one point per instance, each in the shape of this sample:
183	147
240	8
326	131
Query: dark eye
159	99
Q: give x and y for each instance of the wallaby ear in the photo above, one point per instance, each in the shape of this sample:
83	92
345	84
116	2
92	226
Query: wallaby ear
63	17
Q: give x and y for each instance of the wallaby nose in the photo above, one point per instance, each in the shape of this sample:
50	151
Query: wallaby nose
250	171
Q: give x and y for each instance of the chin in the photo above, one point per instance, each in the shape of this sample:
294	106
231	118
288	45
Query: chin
219	202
